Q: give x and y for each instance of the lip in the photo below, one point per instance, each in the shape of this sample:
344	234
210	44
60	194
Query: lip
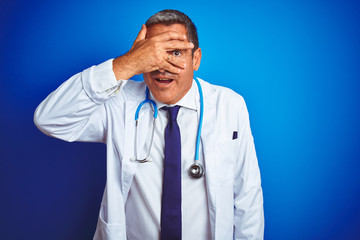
161	82
164	79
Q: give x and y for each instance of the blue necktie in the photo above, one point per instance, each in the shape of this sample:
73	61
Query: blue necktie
171	196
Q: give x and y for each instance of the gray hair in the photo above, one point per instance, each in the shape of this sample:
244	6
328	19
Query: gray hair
169	17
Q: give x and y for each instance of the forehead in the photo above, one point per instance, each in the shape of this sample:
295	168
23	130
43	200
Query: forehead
159	28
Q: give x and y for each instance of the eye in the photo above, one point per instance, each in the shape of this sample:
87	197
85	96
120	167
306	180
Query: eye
176	53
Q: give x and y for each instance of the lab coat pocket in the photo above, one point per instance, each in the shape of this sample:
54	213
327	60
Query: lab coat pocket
105	230
225	161
225	171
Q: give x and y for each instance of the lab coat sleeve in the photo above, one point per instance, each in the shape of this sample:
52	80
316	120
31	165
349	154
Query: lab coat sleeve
75	111
248	197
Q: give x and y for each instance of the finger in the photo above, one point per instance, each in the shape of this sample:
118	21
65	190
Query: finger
177	45
166	36
142	34
175	61
170	68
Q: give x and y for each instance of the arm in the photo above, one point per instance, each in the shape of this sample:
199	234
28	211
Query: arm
75	111
248	198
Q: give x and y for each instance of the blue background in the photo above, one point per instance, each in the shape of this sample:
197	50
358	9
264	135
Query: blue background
295	62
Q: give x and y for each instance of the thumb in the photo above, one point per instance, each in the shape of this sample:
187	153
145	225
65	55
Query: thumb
142	34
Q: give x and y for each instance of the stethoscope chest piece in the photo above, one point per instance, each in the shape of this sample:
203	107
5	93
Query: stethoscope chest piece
196	170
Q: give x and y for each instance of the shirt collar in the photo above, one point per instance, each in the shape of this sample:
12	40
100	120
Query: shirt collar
188	101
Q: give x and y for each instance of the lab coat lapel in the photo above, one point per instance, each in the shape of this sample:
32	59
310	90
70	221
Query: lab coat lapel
134	97
208	147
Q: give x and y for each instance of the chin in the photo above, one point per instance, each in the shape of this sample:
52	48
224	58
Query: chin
165	100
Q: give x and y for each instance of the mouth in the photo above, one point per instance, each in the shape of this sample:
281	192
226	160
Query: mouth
164	81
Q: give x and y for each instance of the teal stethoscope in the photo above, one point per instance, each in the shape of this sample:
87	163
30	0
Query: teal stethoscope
196	170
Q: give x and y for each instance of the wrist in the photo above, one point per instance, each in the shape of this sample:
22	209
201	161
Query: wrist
122	68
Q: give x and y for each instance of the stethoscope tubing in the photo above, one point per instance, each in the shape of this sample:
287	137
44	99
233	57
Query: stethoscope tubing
200	120
196	170
147	100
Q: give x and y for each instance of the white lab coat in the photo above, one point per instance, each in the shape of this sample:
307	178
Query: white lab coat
82	110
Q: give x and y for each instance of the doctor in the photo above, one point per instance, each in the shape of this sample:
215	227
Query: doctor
99	105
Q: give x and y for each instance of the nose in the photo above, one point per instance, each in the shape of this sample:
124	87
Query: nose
161	70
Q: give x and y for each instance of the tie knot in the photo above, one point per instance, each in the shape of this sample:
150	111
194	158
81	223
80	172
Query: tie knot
173	112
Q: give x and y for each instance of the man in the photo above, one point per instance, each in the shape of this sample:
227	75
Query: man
99	105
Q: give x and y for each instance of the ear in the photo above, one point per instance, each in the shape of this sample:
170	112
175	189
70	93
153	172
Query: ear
196	59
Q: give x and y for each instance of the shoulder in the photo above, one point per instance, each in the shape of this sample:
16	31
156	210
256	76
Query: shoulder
221	96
